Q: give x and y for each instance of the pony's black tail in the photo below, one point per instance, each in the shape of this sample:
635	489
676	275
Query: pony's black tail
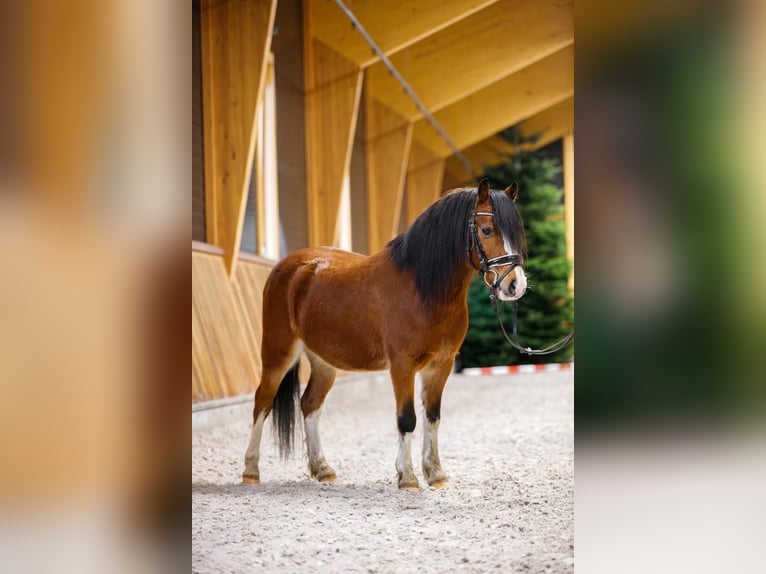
284	411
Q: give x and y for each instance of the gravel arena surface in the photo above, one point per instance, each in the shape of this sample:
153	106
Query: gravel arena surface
506	444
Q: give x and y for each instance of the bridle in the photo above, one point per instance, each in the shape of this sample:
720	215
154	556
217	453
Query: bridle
487	266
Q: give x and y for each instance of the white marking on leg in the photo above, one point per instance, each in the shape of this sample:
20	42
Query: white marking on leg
318	466
430	445
252	454
404	460
313	444
432	469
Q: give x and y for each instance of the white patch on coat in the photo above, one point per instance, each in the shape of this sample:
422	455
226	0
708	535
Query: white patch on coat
321	264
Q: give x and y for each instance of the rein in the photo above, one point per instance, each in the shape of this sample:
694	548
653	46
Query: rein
487	266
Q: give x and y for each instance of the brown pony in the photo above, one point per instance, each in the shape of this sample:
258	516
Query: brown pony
403	308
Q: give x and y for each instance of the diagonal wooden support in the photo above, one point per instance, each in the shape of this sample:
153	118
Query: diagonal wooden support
388	147
333	88
236	39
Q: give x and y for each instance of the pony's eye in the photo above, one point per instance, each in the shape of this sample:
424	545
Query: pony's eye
487	231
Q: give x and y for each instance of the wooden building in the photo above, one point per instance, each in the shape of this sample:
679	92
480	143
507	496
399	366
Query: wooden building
302	136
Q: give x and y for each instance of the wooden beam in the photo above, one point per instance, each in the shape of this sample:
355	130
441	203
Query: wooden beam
568	172
236	39
333	88
489	152
502	104
388	147
424	185
551	124
474	53
393	25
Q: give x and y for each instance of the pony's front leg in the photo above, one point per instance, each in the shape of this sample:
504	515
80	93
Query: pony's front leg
403	377
434	378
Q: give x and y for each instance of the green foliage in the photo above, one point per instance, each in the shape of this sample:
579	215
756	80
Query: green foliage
546	312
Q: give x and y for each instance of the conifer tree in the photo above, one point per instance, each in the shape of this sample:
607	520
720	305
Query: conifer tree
546	312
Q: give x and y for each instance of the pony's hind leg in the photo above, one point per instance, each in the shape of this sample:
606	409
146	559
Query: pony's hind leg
277	364
320	383
403	377
434	378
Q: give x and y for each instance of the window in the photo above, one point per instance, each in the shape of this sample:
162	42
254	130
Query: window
260	231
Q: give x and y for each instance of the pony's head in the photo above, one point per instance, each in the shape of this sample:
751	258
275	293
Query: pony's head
435	247
497	242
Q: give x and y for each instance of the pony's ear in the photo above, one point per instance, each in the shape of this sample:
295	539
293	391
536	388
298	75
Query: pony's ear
512	191
483	191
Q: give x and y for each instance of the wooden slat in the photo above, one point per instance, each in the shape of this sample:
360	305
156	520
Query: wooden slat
388	147
333	86
224	349
424	184
394	24
475	53
236	38
249	282
509	101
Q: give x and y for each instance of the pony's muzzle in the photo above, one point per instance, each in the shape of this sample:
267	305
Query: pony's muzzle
514	285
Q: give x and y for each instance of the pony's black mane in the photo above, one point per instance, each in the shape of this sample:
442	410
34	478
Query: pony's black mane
435	246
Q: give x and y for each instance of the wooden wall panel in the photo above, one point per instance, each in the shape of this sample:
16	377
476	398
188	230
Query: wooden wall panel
224	348
236	38
227	326
333	88
424	183
249	282
389	136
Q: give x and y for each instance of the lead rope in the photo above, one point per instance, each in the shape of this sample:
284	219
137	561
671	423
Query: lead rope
473	242
557	346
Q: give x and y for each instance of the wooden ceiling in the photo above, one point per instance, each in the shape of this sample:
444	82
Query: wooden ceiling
479	66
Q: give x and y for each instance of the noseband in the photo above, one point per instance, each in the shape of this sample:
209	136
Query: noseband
488	266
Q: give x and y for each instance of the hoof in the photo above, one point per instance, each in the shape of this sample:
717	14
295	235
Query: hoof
323	472
439	484
248	479
410	487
